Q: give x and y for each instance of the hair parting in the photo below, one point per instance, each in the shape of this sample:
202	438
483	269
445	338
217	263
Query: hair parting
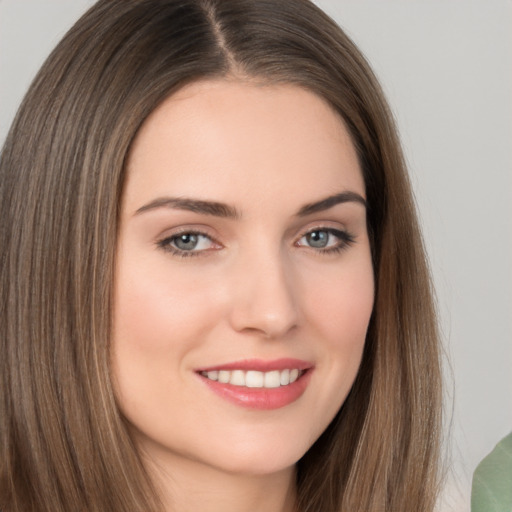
64	444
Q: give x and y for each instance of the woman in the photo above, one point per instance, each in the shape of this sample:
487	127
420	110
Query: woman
214	291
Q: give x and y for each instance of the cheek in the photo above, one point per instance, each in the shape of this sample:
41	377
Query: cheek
343	303
341	317
158	319
154	308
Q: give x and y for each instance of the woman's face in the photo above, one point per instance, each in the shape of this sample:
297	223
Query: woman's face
244	283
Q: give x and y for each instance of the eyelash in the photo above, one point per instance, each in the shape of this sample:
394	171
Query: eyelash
345	240
165	244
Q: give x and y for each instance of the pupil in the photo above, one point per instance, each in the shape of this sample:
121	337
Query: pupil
186	242
318	239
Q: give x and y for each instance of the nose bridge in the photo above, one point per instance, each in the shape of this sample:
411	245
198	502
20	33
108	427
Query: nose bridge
263	293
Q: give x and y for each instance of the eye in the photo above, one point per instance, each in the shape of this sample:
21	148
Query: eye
188	243
326	240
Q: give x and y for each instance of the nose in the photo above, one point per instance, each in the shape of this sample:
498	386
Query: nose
264	301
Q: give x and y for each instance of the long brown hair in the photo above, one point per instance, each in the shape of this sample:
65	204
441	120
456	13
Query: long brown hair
64	444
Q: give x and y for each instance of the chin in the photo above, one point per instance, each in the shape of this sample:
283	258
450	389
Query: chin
254	457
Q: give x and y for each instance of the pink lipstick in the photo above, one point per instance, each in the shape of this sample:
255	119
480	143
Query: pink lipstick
259	384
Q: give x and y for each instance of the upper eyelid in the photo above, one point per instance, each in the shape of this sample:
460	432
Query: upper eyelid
176	232
193	230
321	226
298	233
188	232
196	230
332	230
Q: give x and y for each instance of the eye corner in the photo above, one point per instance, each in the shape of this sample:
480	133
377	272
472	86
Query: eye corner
329	240
188	243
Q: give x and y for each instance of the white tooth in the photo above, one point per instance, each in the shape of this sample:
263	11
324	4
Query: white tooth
224	376
213	375
272	379
293	375
237	378
285	378
254	379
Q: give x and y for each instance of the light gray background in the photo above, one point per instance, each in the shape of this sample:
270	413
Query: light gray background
446	67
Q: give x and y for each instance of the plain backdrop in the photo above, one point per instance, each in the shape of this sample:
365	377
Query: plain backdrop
446	67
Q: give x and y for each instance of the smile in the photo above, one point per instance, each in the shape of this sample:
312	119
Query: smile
255	379
257	384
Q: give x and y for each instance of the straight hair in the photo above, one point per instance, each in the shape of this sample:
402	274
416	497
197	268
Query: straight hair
63	443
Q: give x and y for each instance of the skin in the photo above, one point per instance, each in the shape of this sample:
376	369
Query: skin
254	287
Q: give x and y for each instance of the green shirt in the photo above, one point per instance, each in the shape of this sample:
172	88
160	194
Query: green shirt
492	480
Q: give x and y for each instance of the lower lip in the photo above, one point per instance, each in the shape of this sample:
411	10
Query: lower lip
260	398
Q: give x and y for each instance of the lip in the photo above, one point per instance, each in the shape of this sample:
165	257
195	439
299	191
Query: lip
260	398
260	365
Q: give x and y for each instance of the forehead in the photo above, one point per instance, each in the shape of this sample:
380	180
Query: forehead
236	139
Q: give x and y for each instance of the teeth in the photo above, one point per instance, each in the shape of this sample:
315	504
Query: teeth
214	375
224	376
272	379
237	378
255	379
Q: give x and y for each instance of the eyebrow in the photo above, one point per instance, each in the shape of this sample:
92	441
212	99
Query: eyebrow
192	205
329	202
223	210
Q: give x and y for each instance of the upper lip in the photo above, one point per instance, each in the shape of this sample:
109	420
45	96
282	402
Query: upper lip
260	365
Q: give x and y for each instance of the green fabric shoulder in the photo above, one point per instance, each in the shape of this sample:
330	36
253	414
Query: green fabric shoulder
492	480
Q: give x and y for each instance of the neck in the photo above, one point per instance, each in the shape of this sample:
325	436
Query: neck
191	486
